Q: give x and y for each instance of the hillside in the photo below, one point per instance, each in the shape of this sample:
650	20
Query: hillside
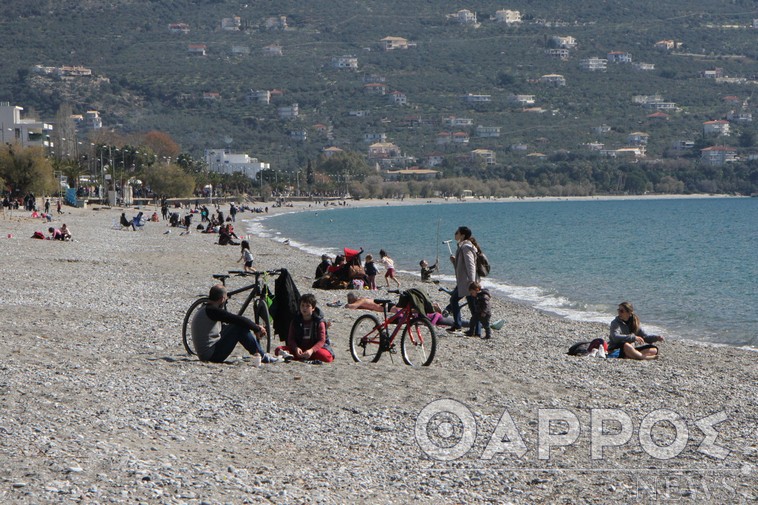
144	77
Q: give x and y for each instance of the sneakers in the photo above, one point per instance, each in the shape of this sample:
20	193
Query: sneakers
313	362
453	329
270	358
497	324
285	355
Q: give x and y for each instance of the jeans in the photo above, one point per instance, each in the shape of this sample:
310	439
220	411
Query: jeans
455	311
230	335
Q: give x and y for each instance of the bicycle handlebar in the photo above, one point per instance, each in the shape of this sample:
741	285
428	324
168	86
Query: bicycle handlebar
257	274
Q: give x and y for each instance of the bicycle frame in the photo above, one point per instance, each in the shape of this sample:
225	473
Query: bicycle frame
400	319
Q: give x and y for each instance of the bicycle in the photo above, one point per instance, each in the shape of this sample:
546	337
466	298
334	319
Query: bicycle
257	296
369	337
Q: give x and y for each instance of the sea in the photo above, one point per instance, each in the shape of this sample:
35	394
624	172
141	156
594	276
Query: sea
689	265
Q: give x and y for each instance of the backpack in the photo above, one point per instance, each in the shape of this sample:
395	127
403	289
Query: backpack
38	234
482	265
579	349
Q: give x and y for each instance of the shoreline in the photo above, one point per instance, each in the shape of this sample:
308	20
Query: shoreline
100	404
581	316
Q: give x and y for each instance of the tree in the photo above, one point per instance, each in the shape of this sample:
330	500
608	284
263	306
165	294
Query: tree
345	163
162	144
26	169
169	180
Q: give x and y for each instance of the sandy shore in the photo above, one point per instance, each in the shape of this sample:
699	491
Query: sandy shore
100	404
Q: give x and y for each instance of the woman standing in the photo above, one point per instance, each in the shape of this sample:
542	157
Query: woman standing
626	333
464	262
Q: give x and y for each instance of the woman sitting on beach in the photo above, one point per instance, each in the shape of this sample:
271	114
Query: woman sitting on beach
626	332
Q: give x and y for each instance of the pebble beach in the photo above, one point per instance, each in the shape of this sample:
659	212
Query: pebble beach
99	403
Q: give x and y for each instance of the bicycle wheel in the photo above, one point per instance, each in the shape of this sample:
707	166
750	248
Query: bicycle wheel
418	343
366	339
262	318
186	325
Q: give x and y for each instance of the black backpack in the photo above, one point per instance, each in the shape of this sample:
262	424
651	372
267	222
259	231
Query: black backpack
579	349
482	265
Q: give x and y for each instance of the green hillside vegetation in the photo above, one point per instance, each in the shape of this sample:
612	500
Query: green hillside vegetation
153	84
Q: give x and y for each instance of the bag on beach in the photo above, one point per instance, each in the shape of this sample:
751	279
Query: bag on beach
579	349
39	235
482	265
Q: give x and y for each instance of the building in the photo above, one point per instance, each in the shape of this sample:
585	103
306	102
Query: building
619	57
348	62
273	50
23	131
91	120
637	138
487	155
232	24
472	98
564	42
372	138
413	173
714	73
259	96
392	43
398	98
718	127
197	49
558	52
553	79
594	64
288	111
508	17
718	155
457	121
487	131
224	162
464	17
645	67
238	50
276	23
521	100
178	28
375	88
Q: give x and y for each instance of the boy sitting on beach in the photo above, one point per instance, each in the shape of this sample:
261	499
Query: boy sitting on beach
307	340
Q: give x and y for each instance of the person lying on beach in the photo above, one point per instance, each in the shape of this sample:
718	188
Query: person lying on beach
307	340
626	333
360	303
216	332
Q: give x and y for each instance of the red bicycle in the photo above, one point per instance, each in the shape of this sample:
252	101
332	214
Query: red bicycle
370	337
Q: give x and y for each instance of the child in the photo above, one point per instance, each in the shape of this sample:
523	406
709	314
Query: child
247	256
482	311
371	271
426	270
389	265
307	340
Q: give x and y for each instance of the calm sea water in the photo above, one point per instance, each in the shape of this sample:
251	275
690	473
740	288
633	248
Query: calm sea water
689	266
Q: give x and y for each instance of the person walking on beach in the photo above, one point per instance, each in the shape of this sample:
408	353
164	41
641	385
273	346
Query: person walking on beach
389	265
464	263
626	333
216	332
247	256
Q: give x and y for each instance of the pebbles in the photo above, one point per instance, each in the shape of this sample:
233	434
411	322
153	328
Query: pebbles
99	403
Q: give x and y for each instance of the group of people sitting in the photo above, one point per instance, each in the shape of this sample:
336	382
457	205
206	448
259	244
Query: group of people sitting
216	332
134	223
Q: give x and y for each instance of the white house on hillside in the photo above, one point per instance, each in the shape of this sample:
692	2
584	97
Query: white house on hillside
508	17
224	162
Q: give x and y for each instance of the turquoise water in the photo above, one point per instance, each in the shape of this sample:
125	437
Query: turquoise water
688	265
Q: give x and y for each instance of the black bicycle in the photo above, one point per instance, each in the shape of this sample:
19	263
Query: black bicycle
258	293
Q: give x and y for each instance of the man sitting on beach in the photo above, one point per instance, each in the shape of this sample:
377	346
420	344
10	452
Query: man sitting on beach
216	332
